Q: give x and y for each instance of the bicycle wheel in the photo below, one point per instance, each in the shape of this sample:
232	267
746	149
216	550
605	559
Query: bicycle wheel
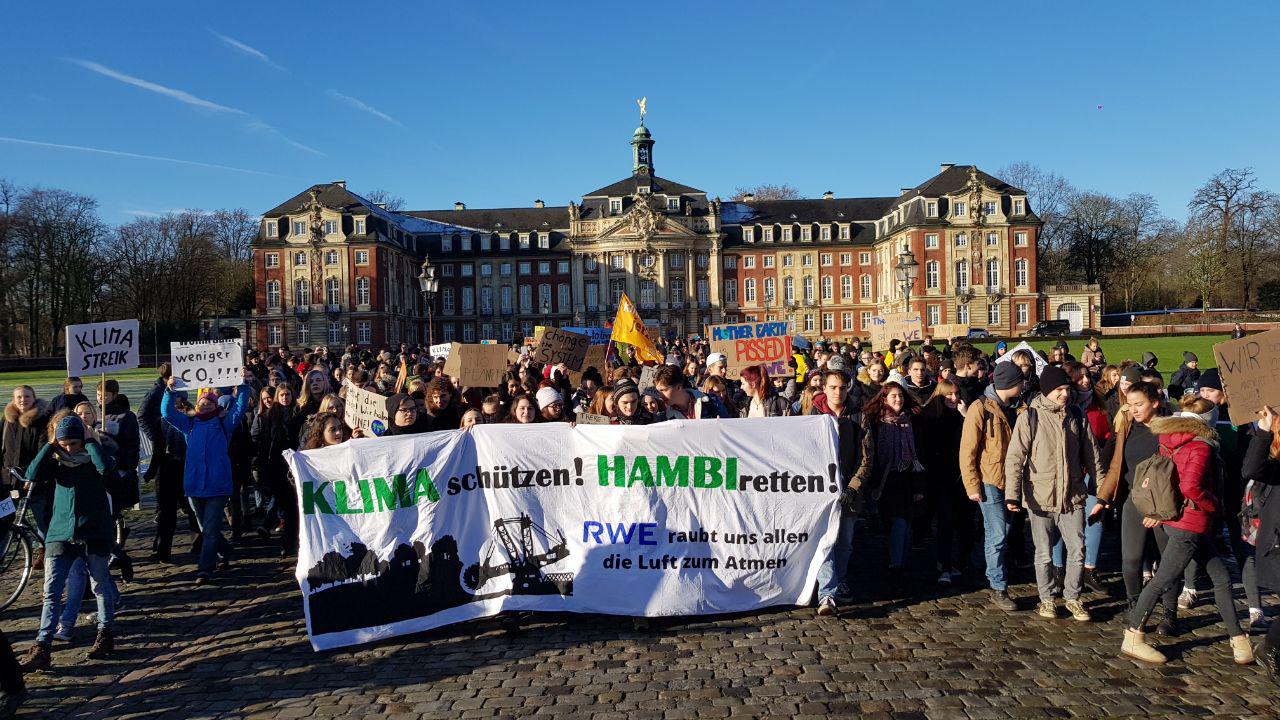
15	565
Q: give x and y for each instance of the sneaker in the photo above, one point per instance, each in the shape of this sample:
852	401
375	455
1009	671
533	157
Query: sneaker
1241	650
1187	599
1047	609
944	578
1257	619
37	658
1001	601
1078	611
63	633
103	645
826	606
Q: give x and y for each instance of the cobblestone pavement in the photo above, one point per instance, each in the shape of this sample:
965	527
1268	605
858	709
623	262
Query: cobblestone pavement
238	650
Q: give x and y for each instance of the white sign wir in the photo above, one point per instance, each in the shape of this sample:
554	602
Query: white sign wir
103	347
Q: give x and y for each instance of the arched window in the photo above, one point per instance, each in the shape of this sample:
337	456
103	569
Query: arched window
993	273
302	293
362	291
788	289
931	275
273	294
750	286
769	287
332	296
1020	272
827	284
846	287
808	287
962	275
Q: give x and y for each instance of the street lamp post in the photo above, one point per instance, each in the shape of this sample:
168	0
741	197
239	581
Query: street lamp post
907	270
429	284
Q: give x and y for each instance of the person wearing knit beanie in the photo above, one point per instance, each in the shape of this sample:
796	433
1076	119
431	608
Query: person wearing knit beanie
550	405
69	427
1053	378
1006	376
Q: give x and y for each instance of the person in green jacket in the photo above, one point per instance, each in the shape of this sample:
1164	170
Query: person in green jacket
80	526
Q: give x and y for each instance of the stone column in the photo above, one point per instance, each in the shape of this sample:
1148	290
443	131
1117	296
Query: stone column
662	299
690	290
602	266
714	279
631	280
578	287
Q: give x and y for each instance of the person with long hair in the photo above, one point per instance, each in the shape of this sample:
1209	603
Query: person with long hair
315	385
441	412
761	400
1189	441
524	410
1261	529
274	432
327	429
942	423
896	480
1107	379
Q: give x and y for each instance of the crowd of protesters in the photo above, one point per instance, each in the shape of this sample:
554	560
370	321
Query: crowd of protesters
975	451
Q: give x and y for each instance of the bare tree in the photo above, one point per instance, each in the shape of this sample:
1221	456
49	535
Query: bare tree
768	192
1206	260
1094	225
1230	205
394	203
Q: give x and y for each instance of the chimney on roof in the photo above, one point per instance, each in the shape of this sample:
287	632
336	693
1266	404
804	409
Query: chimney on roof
749	197
947	166
828	195
539	204
459	206
341	183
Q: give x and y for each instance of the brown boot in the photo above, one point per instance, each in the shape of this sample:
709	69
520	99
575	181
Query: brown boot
103	646
37	658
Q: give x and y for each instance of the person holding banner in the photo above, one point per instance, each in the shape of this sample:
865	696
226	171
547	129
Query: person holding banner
833	401
273	432
327	429
207	471
74	466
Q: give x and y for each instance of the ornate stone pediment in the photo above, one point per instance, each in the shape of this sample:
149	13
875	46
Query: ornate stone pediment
644	221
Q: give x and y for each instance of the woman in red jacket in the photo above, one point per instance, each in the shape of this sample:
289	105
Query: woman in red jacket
1188	440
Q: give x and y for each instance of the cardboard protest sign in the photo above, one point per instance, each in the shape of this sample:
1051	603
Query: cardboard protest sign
745	344
906	327
213	363
477	365
1250	370
646	377
947	332
365	410
102	347
586	418
1040	362
596	358
560	346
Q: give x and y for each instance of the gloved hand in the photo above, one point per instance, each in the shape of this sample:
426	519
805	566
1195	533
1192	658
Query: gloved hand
851	501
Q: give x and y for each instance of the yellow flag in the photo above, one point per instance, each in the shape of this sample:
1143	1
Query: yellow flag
629	328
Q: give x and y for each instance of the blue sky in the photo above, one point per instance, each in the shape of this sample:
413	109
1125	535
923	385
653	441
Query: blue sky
497	104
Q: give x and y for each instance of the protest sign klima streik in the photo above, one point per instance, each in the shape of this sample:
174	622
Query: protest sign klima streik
102	347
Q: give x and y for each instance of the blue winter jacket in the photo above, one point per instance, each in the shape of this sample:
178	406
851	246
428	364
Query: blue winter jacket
207	471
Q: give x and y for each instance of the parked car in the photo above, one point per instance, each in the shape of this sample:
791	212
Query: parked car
1051	328
978	333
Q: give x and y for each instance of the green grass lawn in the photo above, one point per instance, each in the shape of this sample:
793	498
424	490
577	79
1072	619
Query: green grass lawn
1168	349
48	383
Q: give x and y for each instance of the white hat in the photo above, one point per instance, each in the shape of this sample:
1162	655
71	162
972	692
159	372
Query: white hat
714	358
548	396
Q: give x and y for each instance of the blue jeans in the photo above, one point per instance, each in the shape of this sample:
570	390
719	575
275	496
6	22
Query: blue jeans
995	534
209	515
59	557
832	572
77	580
1092	539
899	540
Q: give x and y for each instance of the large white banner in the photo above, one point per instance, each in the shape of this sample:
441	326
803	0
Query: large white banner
404	534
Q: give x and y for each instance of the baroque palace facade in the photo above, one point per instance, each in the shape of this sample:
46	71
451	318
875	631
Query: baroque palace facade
334	268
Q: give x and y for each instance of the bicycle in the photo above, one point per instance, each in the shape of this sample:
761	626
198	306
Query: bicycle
17	543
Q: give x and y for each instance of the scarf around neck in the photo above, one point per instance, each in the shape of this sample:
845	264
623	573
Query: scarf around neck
895	442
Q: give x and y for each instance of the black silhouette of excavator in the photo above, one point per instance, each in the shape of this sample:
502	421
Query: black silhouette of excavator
523	560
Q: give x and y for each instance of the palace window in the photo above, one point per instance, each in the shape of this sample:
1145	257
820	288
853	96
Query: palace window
304	333
590	264
617	261
828	322
731	291
562	297
808	323
1020	239
993	273
524	241
362	257
769	294
748	234
934	314
749	286
931	208
962	240
358	227
962	275
486	270
273	294
615	206
960	209
701	259
749	262
466	242
993	239
704	291
273	229
504	269
468	332
806	233
300	258
846	258
331	257
846	321
526	298
544	267
335	333
846	287
273	260
1022	313
864	287
866	320
806	260
364	332
989	208
844	232
864	258
362	291
331	294
827	291
562	267
993	314
505	298
825	231
768	261
931	241
302	293
446	301
962	314
486	242
330	227
767	234
1020	272
468	300
677	290
544	240
788	289
824	259
273	334
931	275
446	243
787	261
1019	207
730	262
504	242
673	204
808	288
299	228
